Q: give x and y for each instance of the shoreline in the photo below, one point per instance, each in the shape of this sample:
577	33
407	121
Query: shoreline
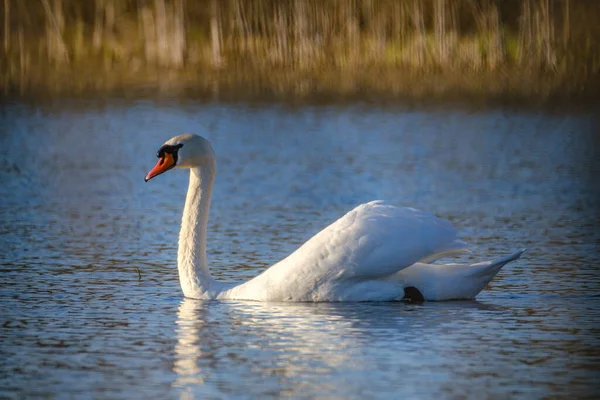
386	83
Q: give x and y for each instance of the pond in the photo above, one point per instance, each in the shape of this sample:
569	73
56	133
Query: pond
91	303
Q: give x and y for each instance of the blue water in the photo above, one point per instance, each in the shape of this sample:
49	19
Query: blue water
77	223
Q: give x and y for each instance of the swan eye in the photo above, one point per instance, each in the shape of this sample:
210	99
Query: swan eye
168	149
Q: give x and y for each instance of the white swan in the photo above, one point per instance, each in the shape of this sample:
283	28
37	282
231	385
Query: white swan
376	252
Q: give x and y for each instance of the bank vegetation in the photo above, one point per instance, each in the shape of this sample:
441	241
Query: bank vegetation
302	45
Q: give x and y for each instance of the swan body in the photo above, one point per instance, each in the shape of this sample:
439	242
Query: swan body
373	253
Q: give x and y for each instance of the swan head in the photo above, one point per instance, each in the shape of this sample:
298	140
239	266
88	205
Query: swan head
183	151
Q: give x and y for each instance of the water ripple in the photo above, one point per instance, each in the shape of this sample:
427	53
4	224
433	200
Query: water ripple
77	224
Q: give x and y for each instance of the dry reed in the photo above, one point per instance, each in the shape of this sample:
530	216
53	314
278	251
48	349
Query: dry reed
309	38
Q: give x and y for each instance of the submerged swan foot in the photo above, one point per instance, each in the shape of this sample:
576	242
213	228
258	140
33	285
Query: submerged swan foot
413	295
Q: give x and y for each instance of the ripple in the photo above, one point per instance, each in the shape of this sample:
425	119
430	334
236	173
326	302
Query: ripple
77	223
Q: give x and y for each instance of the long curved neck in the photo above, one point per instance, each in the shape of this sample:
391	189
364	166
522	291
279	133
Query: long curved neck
194	276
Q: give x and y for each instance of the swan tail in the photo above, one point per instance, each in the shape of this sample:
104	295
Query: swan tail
491	268
437	282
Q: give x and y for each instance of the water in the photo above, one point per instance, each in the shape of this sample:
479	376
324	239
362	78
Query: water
78	222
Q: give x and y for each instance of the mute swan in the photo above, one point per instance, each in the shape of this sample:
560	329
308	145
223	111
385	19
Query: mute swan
376	252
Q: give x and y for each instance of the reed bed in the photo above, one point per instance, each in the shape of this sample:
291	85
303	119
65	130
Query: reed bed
302	44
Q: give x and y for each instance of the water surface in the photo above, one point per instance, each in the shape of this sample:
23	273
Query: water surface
77	221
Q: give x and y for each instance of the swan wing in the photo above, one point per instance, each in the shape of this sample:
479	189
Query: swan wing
371	242
374	240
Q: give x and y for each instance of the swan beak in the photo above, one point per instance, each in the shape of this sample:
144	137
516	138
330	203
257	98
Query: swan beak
164	164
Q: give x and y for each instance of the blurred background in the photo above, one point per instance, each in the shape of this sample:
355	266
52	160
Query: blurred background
421	47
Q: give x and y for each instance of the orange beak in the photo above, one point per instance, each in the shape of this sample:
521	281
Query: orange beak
164	164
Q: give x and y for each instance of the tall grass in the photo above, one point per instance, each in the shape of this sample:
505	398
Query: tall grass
310	37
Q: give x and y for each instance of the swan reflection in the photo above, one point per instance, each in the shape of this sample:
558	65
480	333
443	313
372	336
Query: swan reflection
287	346
188	350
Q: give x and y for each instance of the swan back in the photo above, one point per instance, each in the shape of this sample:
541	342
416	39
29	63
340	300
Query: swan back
353	258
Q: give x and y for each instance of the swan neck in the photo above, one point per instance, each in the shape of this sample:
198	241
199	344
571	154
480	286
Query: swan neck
194	276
